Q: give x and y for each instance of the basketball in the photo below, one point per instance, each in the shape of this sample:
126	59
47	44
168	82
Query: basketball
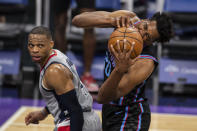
131	34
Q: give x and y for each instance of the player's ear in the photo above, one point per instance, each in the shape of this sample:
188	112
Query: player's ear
51	44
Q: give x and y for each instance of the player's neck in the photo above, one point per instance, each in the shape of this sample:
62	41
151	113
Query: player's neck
44	62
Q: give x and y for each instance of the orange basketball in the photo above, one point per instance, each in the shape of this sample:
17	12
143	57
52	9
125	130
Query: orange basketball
131	35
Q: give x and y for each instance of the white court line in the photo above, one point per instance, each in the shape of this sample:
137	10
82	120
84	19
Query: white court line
163	130
33	125
12	118
175	115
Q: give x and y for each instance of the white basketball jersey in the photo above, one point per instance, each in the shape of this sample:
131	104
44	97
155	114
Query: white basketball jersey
84	98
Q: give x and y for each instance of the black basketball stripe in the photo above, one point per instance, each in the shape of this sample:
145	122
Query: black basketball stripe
126	32
128	37
134	38
116	36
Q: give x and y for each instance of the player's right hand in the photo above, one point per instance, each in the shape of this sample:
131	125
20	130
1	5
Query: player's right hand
122	58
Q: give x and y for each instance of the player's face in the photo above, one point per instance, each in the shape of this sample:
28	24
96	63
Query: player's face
149	32
39	48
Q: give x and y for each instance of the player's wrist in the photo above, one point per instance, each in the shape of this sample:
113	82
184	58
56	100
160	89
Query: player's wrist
113	21
44	112
120	71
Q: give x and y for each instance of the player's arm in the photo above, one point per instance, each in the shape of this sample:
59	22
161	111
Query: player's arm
118	85
105	19
138	72
126	75
60	79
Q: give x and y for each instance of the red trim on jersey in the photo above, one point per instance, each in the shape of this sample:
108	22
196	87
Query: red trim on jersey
54	54
64	128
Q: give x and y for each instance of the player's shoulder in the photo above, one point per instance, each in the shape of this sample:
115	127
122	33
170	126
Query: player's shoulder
149	51
57	72
56	69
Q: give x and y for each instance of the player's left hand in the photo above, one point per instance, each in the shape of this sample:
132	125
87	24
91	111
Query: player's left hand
122	21
34	117
123	18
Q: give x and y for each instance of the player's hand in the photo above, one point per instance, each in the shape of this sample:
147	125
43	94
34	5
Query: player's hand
122	21
34	117
122	58
123	18
126	21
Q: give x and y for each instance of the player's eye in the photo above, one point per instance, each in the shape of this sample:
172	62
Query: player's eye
30	45
40	45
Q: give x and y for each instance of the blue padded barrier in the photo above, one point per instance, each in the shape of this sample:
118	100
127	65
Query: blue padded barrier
180	6
108	4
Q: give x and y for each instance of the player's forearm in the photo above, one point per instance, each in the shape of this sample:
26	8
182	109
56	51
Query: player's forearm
109	89
125	13
93	19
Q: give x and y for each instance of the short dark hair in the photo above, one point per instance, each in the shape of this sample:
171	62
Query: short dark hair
164	26
42	31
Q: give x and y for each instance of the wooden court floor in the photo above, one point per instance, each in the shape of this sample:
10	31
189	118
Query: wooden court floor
159	122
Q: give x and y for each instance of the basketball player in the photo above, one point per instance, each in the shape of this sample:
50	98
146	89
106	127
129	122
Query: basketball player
122	93
67	99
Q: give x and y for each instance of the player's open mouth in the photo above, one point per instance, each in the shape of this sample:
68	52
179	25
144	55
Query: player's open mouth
36	58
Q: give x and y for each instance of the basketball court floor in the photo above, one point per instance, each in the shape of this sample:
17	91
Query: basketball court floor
13	112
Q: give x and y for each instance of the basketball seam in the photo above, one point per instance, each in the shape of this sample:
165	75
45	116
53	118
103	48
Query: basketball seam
124	32
126	36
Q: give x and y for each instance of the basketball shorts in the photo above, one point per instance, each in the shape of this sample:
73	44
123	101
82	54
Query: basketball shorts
63	126
91	123
128	118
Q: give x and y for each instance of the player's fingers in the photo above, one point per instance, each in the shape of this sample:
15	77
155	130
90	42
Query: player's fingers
118	22
131	21
124	46
35	122
128	21
113	51
118	46
27	118
132	47
123	21
27	121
